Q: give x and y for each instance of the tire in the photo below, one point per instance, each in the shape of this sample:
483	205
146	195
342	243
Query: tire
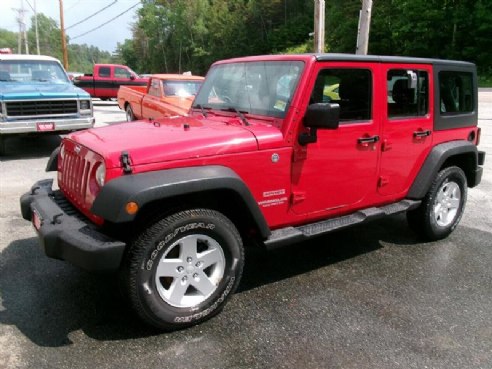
181	270
442	207
129	113
2	145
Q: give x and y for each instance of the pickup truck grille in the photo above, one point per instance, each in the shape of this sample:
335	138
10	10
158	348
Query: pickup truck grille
41	107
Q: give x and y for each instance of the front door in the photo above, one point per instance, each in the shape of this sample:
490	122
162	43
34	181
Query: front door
338	173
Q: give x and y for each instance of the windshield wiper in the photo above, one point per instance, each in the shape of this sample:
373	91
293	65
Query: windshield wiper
202	108
238	112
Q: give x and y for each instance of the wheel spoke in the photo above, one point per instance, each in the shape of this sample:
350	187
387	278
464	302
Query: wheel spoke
177	291
454	203
188	248
204	285
209	257
168	268
440	196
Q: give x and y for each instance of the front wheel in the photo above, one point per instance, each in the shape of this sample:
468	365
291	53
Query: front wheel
181	270
129	113
442	207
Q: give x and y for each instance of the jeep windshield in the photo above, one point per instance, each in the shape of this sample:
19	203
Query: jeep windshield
258	88
29	71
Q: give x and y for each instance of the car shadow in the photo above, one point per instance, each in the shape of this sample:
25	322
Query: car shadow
30	146
48	299
264	267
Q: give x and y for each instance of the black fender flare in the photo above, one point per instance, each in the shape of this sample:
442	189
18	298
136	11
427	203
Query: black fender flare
434	161
144	188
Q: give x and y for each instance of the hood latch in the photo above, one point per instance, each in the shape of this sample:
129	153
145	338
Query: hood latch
125	162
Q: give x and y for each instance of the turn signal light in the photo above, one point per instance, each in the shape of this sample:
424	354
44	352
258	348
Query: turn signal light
131	208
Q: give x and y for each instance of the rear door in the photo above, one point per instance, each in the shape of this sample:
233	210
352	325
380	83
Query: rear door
407	126
103	82
338	173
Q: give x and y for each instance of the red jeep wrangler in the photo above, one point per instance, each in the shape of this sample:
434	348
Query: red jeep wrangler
276	149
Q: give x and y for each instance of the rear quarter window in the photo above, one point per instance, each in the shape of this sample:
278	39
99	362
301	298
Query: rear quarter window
456	92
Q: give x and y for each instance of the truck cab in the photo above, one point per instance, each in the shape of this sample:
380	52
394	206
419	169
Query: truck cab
276	149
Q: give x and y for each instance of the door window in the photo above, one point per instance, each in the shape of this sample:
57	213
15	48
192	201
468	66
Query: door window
350	88
104	72
121	73
408	93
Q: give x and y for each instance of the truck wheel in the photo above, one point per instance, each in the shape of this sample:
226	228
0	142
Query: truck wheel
181	270
442	208
129	113
2	145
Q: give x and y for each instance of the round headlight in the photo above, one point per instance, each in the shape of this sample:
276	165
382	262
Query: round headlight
101	174
62	151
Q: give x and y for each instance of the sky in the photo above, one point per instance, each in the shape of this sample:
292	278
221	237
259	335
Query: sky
105	38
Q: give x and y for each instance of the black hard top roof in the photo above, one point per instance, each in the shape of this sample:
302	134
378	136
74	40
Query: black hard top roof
388	59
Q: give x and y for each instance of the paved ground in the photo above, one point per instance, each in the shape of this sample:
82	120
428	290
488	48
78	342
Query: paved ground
371	297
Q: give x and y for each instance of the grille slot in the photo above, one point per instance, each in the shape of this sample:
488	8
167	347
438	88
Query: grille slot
41	107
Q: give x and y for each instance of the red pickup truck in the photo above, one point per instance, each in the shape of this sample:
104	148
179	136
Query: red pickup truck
276	149
165	95
106	79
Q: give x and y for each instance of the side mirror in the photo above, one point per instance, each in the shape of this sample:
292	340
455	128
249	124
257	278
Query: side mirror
319	115
322	115
132	77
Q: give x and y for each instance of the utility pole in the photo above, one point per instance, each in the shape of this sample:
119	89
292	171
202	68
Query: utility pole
364	26
22	29
63	39
319	26
35	24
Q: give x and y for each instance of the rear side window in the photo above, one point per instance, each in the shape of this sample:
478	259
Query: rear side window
350	88
408	93
155	88
456	92
104	72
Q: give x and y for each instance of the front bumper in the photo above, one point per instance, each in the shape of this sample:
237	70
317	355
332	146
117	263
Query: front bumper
28	126
65	234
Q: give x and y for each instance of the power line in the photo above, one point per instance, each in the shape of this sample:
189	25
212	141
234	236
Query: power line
112	19
73	6
90	16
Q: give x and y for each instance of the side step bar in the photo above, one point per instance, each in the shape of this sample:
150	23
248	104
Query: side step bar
288	235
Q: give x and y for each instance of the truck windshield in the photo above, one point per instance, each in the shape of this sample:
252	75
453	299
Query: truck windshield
32	70
262	88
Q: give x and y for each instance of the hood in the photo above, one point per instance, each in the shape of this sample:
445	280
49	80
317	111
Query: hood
41	90
168	139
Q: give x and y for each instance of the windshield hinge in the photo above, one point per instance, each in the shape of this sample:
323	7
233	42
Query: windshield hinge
125	162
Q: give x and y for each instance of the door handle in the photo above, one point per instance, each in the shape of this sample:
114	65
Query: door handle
421	134
365	141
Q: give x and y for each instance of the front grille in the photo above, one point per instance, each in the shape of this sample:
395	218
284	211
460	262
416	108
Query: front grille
75	175
41	108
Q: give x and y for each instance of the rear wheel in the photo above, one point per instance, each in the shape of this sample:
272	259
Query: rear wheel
2	145
129	113
181	270
442	207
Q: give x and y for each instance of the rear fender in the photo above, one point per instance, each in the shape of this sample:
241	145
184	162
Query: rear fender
435	161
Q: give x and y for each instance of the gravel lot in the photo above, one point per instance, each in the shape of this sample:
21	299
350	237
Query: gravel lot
370	297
